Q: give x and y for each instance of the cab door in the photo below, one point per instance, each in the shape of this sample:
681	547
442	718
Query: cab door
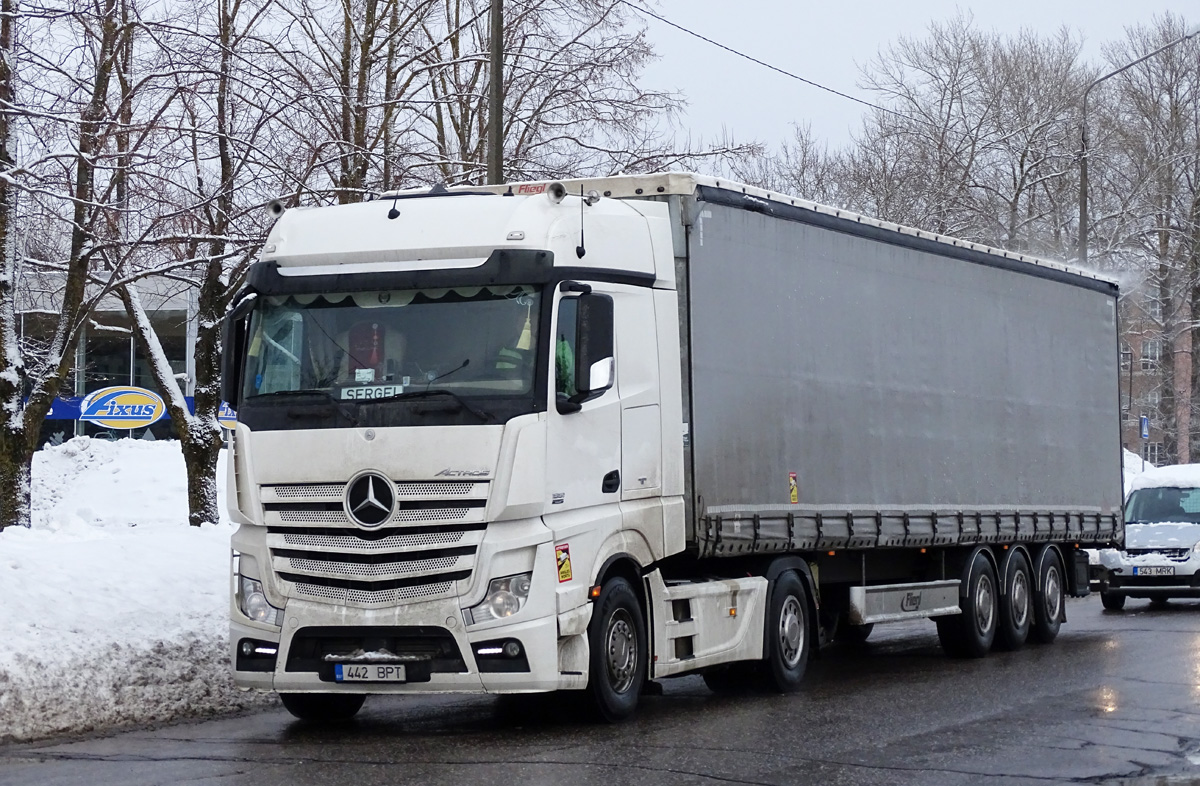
583	454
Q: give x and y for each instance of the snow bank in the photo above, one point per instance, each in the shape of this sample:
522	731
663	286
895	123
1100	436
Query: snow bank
1177	475
115	609
1134	466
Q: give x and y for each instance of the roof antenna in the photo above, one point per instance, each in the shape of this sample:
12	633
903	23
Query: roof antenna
394	213
579	249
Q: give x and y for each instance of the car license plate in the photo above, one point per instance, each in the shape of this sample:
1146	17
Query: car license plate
1153	570
368	672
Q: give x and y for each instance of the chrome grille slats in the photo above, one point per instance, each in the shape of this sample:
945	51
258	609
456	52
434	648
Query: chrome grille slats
350	542
419	553
370	571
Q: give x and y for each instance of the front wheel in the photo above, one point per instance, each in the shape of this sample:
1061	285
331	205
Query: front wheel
788	642
323	707
617	639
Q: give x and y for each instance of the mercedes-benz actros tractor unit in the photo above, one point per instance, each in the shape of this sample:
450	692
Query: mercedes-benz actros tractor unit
586	435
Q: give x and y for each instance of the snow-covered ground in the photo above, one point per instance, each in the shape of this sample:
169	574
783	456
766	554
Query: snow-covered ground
113	610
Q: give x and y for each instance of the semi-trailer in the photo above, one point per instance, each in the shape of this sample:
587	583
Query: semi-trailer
586	435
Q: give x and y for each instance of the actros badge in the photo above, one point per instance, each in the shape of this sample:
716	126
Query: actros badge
369	500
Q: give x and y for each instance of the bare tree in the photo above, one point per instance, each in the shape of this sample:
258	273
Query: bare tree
56	111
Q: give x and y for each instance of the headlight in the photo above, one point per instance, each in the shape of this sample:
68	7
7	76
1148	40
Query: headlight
1196	548
504	598
254	604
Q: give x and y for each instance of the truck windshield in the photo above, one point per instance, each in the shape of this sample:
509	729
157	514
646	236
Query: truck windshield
373	357
1163	505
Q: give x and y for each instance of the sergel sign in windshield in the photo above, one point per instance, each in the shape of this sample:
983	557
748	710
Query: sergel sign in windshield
122	407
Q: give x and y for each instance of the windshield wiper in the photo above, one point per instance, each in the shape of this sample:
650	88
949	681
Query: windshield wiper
415	394
338	405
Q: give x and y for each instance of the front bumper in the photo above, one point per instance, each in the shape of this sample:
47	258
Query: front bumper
1144	575
447	664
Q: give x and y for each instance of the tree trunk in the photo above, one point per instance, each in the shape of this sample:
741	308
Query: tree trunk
16	472
200	454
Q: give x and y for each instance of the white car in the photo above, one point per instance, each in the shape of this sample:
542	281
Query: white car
1161	558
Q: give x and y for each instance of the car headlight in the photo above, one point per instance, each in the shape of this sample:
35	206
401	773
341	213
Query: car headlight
504	598
252	601
1196	548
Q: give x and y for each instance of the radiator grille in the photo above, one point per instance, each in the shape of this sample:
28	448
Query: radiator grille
427	545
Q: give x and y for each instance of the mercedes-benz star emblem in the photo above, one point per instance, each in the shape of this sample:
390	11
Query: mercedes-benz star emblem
369	500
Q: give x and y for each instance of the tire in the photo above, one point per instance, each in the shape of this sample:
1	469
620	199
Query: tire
788	640
323	707
970	634
1113	601
853	634
1049	600
1016	605
734	677
617	640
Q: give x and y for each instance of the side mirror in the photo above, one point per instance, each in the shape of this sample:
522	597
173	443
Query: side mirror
595	366
233	348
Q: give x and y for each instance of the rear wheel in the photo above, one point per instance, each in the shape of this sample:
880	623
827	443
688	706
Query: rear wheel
323	707
788	641
970	634
1113	601
1016	606
617	639
1049	599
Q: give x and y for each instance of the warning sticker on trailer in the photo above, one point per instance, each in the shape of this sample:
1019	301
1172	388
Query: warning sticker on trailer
793	488
563	555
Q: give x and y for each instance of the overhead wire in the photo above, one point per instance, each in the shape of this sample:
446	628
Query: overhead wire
647	12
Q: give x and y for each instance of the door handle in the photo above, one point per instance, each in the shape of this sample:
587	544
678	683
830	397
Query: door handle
612	482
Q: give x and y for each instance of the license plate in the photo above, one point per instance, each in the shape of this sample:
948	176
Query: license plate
1148	570
369	672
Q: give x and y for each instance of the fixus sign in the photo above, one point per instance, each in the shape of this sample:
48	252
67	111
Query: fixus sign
226	416
122	407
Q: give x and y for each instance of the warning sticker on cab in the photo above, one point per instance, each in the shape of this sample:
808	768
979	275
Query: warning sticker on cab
563	555
793	488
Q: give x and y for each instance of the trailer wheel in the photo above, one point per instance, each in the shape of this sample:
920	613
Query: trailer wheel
1016	607
323	707
787	633
970	633
617	639
1048	601
1113	601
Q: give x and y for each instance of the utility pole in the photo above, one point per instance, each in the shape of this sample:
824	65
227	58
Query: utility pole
495	155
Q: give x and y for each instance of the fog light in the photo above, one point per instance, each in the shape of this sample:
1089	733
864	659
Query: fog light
504	598
512	649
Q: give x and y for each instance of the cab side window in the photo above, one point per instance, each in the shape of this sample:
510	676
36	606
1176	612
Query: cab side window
564	347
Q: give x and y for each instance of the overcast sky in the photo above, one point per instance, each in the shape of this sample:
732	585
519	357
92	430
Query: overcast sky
827	42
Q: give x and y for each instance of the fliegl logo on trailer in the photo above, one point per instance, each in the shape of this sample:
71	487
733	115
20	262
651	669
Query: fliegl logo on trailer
122	407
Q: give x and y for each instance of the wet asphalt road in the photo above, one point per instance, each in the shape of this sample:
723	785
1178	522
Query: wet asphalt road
1115	700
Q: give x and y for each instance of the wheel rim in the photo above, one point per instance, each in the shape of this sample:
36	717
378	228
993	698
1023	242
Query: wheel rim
985	610
1053	592
1019	598
620	647
791	631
